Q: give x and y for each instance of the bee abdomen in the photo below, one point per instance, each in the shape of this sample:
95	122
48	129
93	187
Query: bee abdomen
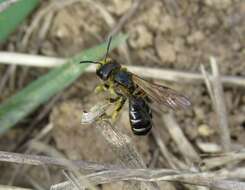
140	116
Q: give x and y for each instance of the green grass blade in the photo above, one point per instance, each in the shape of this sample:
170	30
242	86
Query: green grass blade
14	15
39	91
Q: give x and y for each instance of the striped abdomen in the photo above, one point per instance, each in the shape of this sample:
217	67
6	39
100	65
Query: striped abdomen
139	115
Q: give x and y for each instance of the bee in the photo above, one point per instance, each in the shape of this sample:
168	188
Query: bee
124	85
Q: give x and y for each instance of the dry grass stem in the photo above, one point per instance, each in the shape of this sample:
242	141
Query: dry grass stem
30	60
180	139
34	182
42	13
74	170
6	187
114	173
207	147
42	33
43	112
7	76
59	162
208	83
50	143
171	160
207	179
238	173
220	107
219	161
148	72
110	21
119	143
73	180
124	149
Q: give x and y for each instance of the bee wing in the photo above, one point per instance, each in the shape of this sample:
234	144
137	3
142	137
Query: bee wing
162	94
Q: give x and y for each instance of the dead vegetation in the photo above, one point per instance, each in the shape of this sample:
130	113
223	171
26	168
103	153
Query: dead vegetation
196	47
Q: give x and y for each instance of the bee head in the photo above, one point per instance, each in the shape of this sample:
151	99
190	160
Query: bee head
105	67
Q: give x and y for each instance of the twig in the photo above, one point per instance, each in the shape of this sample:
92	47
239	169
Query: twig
184	146
7	187
154	158
47	149
6	76
218	161
179	138
208	147
119	143
18	169
45	160
120	173
238	173
34	182
42	33
207	83
173	162
35	23
148	72
25	136
208	179
110	21
220	107
73	180
29	60
164	150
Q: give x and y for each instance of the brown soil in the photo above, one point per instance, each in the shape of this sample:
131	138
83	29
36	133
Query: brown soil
178	35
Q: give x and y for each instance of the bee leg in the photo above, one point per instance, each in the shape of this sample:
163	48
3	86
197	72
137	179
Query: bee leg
118	107
101	88
105	117
115	96
122	100
112	91
113	100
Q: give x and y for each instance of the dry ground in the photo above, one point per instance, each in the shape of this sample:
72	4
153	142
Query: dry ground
178	35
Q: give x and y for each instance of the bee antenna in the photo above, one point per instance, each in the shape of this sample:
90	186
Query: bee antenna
108	48
94	62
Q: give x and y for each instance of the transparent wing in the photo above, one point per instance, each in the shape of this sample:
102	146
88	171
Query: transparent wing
162	94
